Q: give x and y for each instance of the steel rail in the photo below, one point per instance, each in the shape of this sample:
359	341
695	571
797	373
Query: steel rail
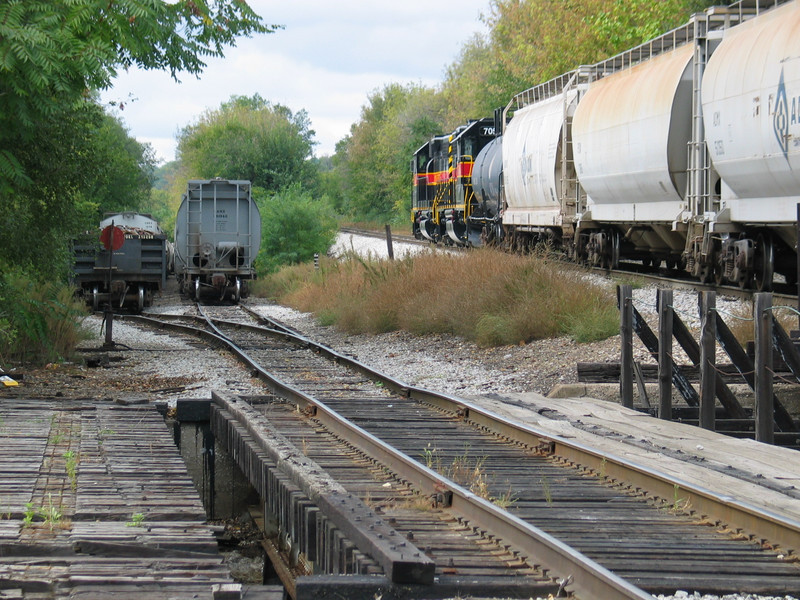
580	574
755	521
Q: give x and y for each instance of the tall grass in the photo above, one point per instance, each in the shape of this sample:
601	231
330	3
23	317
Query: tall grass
40	321
486	296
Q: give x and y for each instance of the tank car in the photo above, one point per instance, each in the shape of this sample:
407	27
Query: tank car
130	276
682	151
217	239
444	206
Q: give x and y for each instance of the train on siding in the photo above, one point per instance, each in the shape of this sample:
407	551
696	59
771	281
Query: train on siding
126	277
217	239
684	150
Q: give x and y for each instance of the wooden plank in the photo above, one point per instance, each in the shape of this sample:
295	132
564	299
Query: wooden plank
650	341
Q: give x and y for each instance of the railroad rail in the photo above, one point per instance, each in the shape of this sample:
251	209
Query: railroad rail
615	513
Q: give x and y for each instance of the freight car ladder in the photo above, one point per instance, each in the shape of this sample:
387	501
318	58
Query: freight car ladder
698	195
572	200
194	223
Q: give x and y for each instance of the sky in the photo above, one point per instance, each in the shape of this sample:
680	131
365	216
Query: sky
330	56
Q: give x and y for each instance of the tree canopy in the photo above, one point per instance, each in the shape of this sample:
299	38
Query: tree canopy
53	53
375	156
249	138
63	159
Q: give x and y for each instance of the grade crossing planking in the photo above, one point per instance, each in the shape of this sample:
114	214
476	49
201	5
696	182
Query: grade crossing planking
95	502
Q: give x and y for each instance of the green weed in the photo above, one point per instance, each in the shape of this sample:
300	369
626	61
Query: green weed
137	519
29	515
40	320
72	468
548	493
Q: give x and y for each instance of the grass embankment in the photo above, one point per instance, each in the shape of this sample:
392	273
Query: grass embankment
486	296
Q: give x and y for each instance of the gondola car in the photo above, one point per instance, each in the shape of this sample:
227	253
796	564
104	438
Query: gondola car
129	276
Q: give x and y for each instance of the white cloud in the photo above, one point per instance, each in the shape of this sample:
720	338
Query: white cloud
327	60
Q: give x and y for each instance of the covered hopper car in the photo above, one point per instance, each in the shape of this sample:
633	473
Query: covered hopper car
684	151
217	239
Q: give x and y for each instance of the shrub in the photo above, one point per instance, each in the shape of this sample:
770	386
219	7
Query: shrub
40	321
484	295
295	226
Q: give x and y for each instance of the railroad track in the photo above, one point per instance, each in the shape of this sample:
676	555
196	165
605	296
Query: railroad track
558	509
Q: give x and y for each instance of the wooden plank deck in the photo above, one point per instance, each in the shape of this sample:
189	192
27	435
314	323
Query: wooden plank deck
95	502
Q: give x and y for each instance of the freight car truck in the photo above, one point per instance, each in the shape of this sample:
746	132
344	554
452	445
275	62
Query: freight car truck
217	238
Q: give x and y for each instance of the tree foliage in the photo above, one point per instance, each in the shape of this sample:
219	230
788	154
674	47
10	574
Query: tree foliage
295	226
375	156
53	53
536	40
249	138
84	163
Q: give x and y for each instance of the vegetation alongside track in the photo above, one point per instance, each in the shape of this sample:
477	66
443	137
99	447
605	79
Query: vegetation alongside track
41	321
65	159
489	298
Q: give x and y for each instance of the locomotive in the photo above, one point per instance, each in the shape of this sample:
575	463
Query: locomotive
444	204
683	150
217	238
130	276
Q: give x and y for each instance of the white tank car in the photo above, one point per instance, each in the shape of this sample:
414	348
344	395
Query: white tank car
630	133
217	239
132	221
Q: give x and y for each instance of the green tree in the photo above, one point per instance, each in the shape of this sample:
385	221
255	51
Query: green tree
84	163
374	159
476	83
294	227
535	40
54	52
249	138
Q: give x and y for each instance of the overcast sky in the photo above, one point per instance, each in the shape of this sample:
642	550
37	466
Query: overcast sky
329	57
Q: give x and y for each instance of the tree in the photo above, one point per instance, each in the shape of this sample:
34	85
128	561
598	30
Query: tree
249	138
54	52
84	163
535	40
476	83
374	159
294	227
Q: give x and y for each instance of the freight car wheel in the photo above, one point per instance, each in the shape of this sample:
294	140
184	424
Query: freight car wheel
197	289
764	259
706	273
140	299
95	299
237	291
